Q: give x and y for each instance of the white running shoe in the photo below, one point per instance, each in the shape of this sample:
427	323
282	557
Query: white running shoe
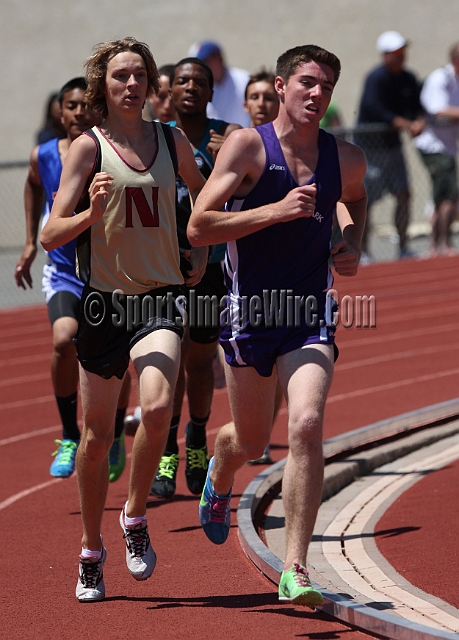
140	557
90	586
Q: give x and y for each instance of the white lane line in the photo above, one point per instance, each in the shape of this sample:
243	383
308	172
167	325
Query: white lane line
12	362
391	357
367	338
390	310
10	346
27	492
384	387
46	430
344	549
34	377
364	362
44	485
18	404
393	385
29	434
10	333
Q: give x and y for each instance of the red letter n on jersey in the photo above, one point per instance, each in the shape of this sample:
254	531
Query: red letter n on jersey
148	214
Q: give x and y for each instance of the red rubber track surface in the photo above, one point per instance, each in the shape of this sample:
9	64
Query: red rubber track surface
410	360
425	520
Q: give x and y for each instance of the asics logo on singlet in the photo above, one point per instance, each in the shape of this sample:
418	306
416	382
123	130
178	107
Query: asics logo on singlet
276	167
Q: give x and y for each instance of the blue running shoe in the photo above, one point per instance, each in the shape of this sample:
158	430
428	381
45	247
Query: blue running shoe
64	464
214	512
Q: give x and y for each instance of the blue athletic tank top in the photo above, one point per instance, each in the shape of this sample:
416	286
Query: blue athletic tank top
50	169
290	255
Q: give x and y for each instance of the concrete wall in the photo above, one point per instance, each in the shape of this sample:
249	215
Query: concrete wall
43	43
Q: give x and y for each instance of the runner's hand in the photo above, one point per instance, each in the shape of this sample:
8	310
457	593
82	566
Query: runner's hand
197	257
22	273
345	258
298	203
215	143
99	194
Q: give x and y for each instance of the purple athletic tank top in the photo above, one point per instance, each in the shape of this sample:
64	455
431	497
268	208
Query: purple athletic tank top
290	255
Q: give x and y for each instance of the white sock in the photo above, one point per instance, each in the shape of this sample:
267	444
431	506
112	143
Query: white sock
130	522
87	553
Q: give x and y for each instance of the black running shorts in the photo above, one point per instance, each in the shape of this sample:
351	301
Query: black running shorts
110	324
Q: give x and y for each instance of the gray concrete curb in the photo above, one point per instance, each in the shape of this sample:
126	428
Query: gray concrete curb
337	476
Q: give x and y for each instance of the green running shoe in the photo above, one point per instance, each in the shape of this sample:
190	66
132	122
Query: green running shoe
164	483
295	587
117	458
197	463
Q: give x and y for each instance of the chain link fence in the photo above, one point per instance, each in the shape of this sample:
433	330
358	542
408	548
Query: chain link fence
13	175
383	238
12	238
12	179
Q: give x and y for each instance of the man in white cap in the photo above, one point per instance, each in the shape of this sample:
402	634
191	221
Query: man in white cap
390	97
229	84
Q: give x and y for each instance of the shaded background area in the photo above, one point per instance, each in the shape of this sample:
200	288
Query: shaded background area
46	42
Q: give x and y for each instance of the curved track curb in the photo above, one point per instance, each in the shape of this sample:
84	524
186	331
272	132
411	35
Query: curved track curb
267	484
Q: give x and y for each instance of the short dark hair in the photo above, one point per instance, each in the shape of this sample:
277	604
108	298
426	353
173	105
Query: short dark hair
166	70
75	83
191	60
289	61
263	75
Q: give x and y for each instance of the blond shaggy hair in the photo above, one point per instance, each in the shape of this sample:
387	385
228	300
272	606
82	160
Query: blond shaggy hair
96	70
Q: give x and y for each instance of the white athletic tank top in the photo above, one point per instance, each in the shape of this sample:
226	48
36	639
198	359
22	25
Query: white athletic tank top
134	246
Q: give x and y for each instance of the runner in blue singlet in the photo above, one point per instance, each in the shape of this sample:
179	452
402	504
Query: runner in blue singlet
61	285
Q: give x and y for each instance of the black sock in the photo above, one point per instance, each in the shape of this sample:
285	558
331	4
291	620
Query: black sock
196	432
68	411
119	421
171	444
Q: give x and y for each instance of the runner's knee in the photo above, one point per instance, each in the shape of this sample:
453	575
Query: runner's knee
305	430
96	442
64	346
157	411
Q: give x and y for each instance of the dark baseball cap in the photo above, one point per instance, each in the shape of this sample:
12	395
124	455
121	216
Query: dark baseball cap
204	49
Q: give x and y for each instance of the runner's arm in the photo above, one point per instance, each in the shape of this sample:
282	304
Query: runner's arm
350	210
216	140
33	204
188	170
62	225
238	166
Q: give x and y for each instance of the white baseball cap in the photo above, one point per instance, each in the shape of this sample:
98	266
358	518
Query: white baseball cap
390	41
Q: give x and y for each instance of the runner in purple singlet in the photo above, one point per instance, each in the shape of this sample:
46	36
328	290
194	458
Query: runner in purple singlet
282	183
